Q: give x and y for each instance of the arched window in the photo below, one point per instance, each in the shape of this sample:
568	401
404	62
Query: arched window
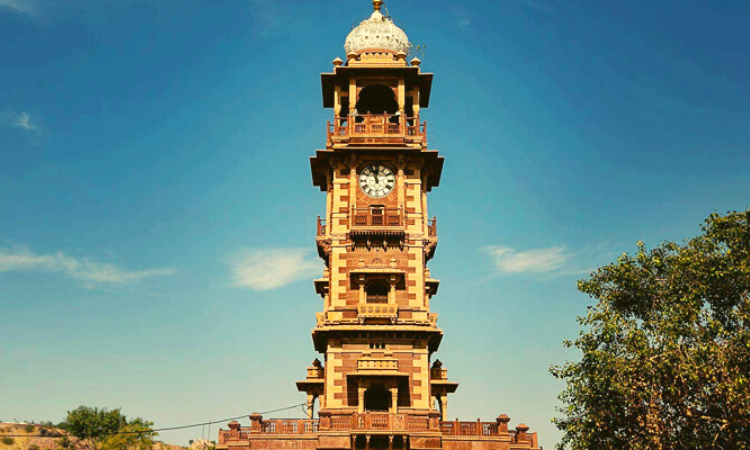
377	99
377	293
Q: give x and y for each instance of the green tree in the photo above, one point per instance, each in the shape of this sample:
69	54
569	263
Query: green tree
101	429
666	350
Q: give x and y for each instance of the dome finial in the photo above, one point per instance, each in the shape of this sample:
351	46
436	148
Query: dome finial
376	4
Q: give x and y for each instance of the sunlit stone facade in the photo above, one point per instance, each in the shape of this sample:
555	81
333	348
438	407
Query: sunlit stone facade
378	385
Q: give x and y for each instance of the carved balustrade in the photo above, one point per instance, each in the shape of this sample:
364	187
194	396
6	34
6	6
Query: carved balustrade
475	428
376	364
377	311
377	217
432	227
321	227
374	421
272	426
376	125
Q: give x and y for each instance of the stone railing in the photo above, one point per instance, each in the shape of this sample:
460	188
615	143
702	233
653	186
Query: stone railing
376	364
271	426
321	229
497	428
379	422
376	217
373	421
477	428
377	311
375	125
432	227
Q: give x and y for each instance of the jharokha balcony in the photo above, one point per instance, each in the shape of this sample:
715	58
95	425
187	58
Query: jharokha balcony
363	220
379	422
364	129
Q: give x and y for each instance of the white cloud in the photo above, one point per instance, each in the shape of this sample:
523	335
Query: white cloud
20	6
20	258
18	119
24	121
464	24
263	269
508	260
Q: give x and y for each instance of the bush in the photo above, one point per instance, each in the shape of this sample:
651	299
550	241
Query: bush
33	447
8	441
29	428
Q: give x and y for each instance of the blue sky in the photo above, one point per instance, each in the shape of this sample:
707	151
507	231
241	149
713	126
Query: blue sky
157	214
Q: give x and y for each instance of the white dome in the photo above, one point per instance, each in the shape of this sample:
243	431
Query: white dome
378	34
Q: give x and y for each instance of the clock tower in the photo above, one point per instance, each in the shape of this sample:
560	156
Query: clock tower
377	383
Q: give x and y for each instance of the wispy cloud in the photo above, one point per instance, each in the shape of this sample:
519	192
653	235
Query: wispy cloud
19	6
21	119
508	260
464	24
543	6
263	269
21	258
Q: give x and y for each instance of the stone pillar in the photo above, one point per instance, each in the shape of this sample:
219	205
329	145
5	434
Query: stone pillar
394	399
444	407
255	420
502	424
521	430
361	280
310	405
352	184
392	293
400	186
401	104
352	96
234	430
361	399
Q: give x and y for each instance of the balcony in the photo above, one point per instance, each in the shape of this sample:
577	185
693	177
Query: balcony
384	311
376	129
377	217
432	227
377	365
370	421
321	227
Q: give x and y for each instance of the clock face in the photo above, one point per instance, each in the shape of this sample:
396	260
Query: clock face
377	180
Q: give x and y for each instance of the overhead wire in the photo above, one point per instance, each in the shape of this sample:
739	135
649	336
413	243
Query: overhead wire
179	427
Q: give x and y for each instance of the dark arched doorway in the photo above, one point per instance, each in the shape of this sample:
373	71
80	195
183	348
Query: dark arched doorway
377	293
377	99
377	399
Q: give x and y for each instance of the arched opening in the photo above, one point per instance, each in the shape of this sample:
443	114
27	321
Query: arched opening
377	99
360	442
377	398
377	293
379	441
398	442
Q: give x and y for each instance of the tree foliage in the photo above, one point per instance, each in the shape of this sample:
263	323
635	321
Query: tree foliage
101	429
666	350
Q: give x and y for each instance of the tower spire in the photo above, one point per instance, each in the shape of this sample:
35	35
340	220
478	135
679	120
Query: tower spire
376	4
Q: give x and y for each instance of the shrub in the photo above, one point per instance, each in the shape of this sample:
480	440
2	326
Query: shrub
33	447
8	440
29	428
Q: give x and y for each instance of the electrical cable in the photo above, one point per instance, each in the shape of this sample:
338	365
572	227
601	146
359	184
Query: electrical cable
180	427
